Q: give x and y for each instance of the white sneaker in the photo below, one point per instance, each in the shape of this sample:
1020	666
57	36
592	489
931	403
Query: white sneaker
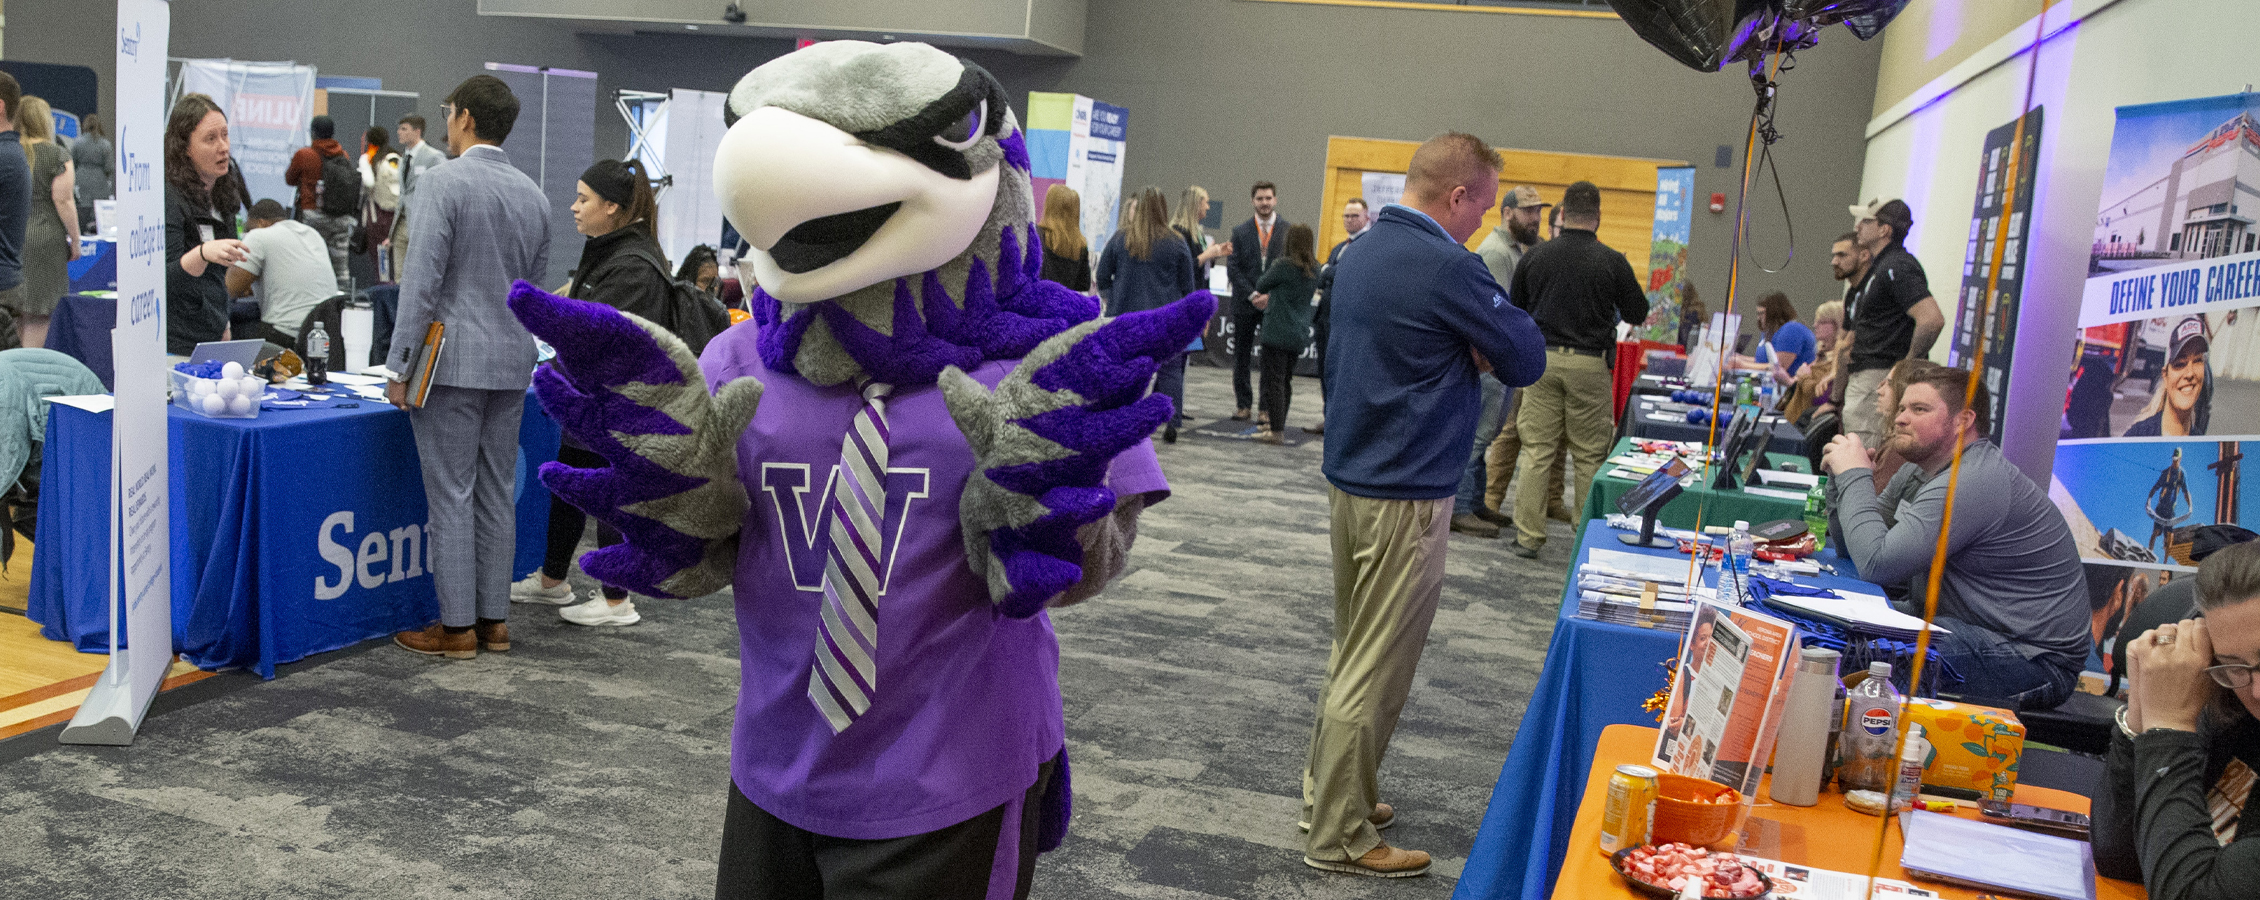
529	590
599	611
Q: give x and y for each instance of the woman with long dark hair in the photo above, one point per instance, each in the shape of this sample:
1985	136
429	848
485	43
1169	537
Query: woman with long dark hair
703	268
1147	266
1284	295
203	195
380	196
621	267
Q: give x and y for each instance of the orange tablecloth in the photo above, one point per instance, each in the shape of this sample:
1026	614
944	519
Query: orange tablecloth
1826	835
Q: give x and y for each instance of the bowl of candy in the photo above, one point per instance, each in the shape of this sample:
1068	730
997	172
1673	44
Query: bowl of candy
1694	811
1665	870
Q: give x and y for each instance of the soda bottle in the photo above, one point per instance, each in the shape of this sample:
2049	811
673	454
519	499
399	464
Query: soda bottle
318	354
1743	394
1871	718
1734	576
1816	513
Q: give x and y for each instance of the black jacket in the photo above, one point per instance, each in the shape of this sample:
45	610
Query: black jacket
196	306
622	280
1250	258
2150	820
1073	272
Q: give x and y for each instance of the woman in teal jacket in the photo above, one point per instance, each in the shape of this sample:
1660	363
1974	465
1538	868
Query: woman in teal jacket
1284	295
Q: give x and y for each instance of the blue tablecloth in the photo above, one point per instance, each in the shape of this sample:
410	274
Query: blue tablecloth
98	270
80	330
293	533
1596	675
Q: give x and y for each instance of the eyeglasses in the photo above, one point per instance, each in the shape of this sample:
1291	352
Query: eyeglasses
2232	676
447	110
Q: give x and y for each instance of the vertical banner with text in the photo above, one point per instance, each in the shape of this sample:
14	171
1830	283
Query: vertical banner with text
2164	405
1667	253
140	535
1999	329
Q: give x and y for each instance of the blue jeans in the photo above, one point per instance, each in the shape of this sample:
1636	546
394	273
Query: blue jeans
1169	381
1487	426
1994	673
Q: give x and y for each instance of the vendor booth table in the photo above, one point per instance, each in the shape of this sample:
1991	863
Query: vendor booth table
1826	835
80	329
293	533
1720	507
1662	419
1596	675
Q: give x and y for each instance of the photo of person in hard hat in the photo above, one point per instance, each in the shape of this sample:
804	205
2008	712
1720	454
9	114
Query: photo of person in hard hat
2182	405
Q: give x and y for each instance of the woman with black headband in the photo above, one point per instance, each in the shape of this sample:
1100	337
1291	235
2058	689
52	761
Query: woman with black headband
621	267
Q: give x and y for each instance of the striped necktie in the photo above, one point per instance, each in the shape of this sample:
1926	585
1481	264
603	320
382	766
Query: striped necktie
2227	799
845	676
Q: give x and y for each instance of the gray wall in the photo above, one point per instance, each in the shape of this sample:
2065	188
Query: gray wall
1220	92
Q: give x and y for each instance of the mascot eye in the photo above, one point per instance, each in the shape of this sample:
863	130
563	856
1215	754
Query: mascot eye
966	131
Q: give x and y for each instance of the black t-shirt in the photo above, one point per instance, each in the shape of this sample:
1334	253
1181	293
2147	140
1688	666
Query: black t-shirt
15	209
1884	330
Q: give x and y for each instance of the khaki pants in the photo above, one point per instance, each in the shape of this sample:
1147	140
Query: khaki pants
1860	416
1388	574
1569	404
1500	461
399	251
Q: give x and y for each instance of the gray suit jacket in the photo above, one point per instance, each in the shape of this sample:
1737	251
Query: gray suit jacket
420	160
477	225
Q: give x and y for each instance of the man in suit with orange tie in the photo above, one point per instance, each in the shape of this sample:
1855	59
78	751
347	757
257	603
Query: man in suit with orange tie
1255	243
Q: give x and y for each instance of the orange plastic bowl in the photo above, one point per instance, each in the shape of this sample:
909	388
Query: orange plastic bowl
1693	810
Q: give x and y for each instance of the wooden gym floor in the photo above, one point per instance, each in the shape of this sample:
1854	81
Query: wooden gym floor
42	682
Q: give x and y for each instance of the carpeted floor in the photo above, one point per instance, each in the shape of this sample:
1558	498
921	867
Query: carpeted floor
592	762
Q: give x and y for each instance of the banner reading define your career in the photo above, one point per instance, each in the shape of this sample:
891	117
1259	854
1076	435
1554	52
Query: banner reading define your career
2164	403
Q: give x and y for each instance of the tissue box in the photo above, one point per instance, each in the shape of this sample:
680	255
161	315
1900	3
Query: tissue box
189	392
1974	749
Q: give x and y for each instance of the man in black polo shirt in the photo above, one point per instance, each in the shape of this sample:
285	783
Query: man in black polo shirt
1577	289
1891	315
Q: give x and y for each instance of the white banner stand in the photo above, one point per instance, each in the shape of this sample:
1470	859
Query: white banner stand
141	602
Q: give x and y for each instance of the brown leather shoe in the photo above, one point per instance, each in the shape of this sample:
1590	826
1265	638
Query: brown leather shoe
1381	862
436	641
494	636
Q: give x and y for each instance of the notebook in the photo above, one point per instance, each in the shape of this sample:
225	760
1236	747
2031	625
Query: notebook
1978	854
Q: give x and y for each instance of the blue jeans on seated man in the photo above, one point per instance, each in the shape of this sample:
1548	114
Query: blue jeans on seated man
1487	426
1995	673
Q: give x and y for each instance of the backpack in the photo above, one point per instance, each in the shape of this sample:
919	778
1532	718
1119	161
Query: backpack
692	314
339	191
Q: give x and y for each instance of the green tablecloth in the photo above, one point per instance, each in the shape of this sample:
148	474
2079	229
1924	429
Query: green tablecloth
1718	507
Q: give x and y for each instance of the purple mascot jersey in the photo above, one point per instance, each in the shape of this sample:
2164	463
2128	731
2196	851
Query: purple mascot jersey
970	702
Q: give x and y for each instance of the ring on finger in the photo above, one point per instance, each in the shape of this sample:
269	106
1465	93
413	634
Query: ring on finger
2163	638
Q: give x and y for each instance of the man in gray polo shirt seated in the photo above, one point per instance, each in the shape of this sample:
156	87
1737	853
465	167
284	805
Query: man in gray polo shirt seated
286	264
2013	599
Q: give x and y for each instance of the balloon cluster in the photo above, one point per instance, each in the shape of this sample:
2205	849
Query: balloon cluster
1708	34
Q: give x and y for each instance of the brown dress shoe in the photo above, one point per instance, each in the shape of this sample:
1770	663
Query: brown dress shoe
494	636
436	641
1381	862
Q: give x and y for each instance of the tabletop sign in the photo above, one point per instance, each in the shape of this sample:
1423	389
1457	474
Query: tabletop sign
141	606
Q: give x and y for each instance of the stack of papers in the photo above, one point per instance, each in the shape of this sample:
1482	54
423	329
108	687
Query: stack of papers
1866	613
1611	583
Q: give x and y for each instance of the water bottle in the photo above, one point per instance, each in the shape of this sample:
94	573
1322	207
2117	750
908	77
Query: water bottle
1801	744
1911	763
1735	578
318	354
1871	718
1816	513
1743	395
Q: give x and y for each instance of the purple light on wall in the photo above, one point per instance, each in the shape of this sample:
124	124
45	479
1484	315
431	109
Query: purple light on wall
1945	27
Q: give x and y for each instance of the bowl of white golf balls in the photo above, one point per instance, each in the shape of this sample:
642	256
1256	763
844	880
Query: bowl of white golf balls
233	395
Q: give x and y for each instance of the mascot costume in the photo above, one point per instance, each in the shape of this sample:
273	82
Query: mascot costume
912	450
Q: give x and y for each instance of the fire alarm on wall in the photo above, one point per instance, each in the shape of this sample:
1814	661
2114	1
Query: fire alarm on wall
1718	202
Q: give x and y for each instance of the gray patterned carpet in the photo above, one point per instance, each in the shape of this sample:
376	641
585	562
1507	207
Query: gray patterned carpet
592	762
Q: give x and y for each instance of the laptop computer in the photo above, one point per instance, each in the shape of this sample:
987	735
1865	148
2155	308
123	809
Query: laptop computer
242	353
1978	854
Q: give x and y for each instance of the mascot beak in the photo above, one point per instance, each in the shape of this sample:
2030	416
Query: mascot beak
827	213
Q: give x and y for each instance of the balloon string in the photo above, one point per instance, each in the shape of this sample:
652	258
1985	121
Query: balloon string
1976	367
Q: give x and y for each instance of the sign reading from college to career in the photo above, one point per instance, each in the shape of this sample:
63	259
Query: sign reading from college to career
270	106
140	581
2164	405
1667	252
1998	331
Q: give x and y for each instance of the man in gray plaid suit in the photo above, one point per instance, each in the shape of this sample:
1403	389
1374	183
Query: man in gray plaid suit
477	225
